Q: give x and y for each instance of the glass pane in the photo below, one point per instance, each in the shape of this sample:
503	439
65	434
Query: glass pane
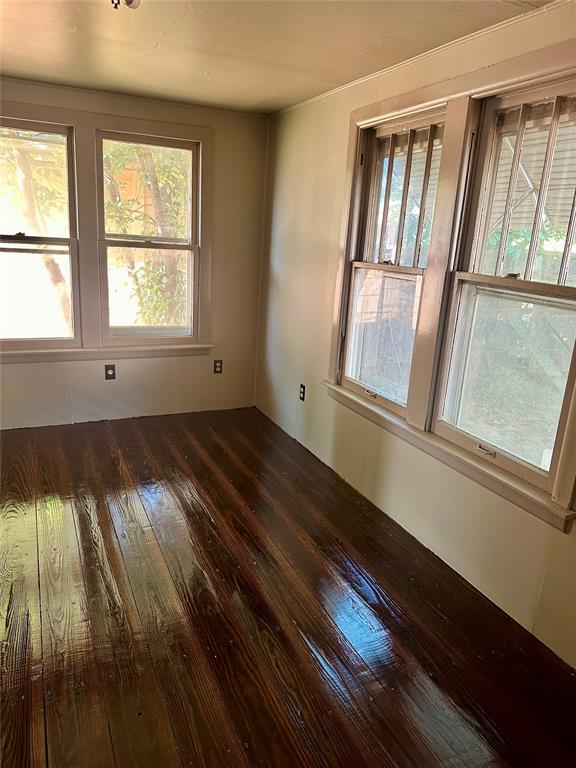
35	292
384	159
147	190
571	276
381	334
505	142
33	183
559	197
148	291
527	189
414	198
395	204
508	371
431	197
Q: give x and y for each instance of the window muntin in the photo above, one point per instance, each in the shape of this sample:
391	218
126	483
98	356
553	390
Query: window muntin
148	200
38	256
509	367
383	315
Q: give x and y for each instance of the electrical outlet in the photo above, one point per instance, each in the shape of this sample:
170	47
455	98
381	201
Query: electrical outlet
302	392
110	371
218	364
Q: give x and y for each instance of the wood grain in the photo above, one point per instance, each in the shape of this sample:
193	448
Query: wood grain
200	590
22	690
77	731
140	728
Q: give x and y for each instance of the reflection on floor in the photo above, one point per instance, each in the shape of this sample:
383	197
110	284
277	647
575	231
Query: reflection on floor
200	590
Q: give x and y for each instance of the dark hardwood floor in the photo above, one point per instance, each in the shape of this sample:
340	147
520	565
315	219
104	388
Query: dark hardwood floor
199	590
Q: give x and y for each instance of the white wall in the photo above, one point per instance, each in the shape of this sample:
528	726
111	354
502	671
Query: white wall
55	393
522	564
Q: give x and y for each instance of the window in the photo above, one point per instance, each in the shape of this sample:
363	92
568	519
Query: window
387	281
510	364
148	239
514	318
38	261
101	243
460	291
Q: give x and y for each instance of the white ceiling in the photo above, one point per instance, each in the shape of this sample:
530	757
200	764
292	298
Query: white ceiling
260	55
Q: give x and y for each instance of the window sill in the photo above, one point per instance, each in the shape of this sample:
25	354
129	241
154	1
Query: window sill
515	490
102	353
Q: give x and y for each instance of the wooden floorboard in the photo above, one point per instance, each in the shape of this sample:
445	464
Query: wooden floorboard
200	590
22	730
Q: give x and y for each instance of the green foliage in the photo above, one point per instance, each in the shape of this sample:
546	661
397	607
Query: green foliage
159	284
148	193
547	261
160	179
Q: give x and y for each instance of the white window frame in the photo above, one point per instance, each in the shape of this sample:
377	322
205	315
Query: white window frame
31	242
91	341
189	244
549	496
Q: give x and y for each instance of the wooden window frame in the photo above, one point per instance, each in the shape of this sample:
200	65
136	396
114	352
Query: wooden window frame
463	99
91	341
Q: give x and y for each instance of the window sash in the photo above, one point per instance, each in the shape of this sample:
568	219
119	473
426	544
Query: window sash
143	336
154	141
477	446
350	383
486	172
60	130
375	231
12	345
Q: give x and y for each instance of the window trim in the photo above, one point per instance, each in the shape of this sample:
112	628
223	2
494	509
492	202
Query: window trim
541	69
114	240
91	343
